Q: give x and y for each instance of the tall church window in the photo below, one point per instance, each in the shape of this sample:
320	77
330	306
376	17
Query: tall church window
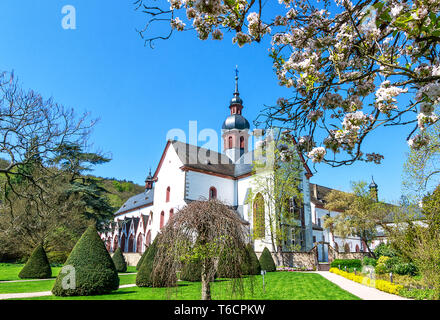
259	216
212	193
162	218
168	195
230	142
241	142
171	214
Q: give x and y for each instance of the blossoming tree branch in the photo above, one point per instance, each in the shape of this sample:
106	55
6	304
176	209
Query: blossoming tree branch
352	66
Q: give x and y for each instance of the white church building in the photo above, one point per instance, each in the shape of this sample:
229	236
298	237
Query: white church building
186	173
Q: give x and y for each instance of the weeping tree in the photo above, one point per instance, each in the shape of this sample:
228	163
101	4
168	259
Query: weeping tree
201	231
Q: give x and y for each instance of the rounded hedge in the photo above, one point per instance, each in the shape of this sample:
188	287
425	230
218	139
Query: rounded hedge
266	261
119	261
143	277
254	267
37	266
95	272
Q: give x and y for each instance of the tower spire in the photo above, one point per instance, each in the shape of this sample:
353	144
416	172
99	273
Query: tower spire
236	93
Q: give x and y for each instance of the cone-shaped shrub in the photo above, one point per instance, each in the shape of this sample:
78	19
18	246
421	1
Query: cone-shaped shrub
119	261
37	266
192	271
266	261
225	270
143	277
93	268
254	265
138	265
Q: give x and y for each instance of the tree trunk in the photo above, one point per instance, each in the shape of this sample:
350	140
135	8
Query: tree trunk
369	250
206	287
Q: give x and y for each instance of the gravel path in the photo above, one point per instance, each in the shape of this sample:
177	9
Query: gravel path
42	294
359	290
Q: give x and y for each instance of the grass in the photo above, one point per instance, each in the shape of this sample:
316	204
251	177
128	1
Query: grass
10	272
279	286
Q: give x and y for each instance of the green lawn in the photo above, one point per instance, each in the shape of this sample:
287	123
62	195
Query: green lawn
10	272
279	286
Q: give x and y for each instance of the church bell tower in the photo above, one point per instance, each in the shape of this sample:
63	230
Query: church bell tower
235	128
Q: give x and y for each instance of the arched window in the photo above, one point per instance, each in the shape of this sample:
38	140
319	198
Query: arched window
168	195
139	243
212	193
230	142
259	216
162	218
357	248
171	214
346	248
336	247
242	142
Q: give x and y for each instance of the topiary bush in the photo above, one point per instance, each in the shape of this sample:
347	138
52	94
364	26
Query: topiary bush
37	266
254	267
349	263
192	271
226	271
119	261
143	277
266	261
95	272
138	265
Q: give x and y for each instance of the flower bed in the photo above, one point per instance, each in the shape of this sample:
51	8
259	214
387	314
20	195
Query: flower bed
382	285
291	269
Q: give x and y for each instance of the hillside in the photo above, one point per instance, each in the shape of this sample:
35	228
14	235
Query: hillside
120	190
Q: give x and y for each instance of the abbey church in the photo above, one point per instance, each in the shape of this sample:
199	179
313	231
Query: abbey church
187	172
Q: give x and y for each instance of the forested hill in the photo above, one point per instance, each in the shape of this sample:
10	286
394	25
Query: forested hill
120	190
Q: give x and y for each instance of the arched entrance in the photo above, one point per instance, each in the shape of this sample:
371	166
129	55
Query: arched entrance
115	244
130	243
123	242
139	243
148	239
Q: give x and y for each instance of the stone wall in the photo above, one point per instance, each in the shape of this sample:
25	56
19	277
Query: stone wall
307	260
333	254
132	258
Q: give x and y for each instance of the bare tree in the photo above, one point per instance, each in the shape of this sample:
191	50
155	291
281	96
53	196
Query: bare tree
32	130
204	231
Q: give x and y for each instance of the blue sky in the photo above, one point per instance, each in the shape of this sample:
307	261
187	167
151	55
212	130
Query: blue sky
139	93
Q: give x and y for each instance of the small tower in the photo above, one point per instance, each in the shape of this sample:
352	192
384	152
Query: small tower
235	128
149	182
373	190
